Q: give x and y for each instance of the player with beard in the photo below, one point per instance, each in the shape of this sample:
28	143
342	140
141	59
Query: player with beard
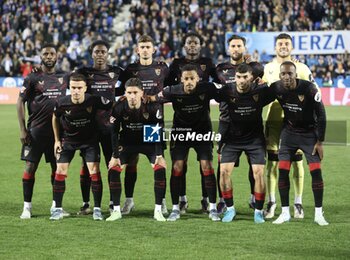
192	43
245	100
74	127
152	75
283	47
132	115
225	74
40	91
304	127
102	80
191	103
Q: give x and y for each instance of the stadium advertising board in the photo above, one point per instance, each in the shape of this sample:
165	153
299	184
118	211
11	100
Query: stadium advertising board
313	42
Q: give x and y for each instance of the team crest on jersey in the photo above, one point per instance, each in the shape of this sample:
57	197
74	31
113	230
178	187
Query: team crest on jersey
225	71
203	67
91	76
146	115
41	82
301	98
89	109
111	75
60	80
120	148
256	97
271	72
157	71
179	100
104	100
201	97
26	152
68	112
158	114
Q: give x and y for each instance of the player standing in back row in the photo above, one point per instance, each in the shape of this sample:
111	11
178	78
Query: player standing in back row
102	80
40	91
192	43
152	75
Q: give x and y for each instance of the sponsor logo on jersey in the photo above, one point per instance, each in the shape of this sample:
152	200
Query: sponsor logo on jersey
179	100
111	75
318	97
301	98
146	115
157	71
125	118
225	71
256	97
203	67
60	80
91	76
41	82
68	112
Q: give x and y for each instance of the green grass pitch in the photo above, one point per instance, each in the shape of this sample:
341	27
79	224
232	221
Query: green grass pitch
194	236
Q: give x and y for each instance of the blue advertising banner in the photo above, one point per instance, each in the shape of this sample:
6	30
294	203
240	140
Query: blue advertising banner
313	42
11	82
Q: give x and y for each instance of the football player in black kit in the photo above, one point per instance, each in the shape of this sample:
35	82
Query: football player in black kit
190	101
152	75
40	90
225	74
245	101
75	128
131	115
304	127
102	80
192	43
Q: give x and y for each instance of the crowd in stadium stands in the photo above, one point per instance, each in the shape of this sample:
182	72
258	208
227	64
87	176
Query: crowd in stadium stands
73	25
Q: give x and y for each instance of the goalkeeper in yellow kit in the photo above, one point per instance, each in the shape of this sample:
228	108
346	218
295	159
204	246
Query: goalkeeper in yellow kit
283	48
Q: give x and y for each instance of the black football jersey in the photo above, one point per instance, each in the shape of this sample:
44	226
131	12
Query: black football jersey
40	90
303	108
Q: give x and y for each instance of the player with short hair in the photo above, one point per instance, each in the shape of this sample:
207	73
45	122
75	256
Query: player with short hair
244	104
131	115
102	80
40	90
192	43
74	129
225	74
152	75
304	127
283	47
190	101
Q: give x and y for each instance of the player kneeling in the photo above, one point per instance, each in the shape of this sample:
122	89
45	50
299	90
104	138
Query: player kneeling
131	115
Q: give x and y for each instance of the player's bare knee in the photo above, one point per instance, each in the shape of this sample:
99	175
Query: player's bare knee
205	165
30	167
258	172
225	172
178	166
93	168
